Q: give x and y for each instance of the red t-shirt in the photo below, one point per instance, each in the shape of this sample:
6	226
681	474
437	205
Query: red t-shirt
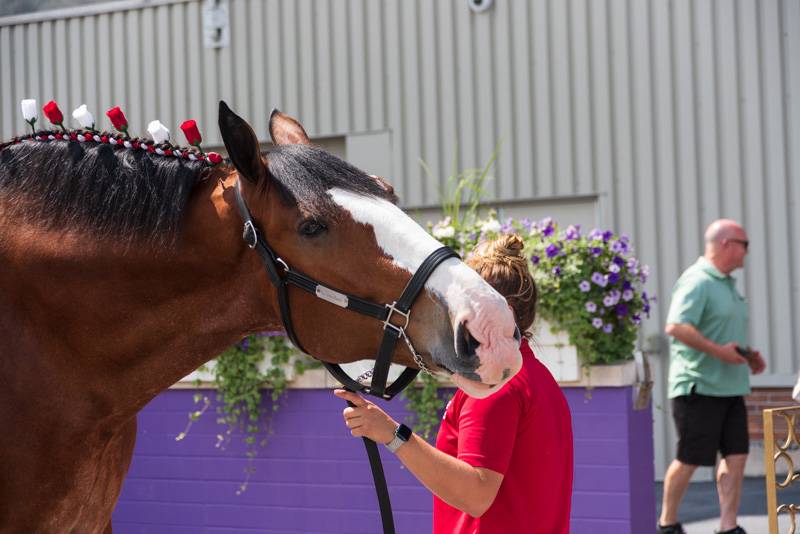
524	432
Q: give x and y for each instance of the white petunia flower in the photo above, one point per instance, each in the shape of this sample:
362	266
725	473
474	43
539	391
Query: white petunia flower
84	117
158	132
444	231
30	110
492	225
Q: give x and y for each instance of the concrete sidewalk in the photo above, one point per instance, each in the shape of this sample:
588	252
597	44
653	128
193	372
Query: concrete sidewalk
699	511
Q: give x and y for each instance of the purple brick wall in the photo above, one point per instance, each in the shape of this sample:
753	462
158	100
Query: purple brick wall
312	477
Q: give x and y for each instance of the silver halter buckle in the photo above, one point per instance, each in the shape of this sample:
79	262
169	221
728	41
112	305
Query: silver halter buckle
401	330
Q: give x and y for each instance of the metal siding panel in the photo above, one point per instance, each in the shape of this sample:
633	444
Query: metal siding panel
468	153
705	117
559	100
685	134
752	166
309	97
358	65
448	123
105	97
21	89
394	103
503	101
61	92
9	110
180	82
193	71
47	87
410	83
428	109
274	73
33	67
544	175
119	82
791	43
289	66
599	48
581	128
522	136
324	40
728	112
226	61
376	73
147	70
256	46
88	71
341	67
622	156
776	216
485	131
240	50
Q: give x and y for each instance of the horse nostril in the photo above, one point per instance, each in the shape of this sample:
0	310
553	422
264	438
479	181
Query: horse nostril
467	345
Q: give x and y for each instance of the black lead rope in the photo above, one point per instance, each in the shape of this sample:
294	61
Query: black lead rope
281	276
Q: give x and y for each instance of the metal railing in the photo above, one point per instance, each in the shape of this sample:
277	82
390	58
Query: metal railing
776	450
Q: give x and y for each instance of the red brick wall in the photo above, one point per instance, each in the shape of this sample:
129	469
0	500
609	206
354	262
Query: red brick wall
762	398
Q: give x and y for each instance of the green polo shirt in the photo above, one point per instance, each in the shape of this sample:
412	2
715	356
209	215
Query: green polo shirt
708	300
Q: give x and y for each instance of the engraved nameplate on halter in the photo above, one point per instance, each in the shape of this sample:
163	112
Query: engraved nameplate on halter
334	297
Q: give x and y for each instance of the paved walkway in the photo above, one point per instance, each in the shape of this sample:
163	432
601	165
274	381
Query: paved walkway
700	509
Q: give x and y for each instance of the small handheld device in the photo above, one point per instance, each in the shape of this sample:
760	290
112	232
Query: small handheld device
747	353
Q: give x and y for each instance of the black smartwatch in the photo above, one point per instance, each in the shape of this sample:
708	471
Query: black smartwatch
401	434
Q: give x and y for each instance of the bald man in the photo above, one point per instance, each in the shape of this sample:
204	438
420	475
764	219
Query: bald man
709	374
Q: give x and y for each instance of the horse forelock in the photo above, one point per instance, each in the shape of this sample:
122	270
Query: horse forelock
110	192
305	175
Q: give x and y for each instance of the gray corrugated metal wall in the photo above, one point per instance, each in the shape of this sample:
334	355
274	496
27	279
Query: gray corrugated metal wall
672	113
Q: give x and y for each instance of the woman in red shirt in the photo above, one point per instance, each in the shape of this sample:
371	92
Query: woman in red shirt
501	464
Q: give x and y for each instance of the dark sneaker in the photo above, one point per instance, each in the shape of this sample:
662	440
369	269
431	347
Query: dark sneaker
677	528
736	530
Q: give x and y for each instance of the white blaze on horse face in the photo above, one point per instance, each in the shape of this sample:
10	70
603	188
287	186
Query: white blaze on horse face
470	300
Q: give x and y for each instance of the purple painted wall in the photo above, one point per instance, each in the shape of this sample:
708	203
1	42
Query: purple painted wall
312	477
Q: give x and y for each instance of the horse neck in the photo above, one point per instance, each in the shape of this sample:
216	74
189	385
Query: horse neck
131	322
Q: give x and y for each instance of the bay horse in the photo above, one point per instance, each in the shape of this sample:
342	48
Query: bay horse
121	271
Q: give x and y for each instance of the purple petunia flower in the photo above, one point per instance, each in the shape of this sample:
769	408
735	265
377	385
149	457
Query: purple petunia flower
556	271
244	344
535	259
472	236
596	251
622	310
618	261
595	235
599	279
585	286
645	273
608	328
636	318
527	223
591	307
619	247
627	295
573	232
626	285
614	268
608	301
597	322
613	278
547	231
552	250
608	234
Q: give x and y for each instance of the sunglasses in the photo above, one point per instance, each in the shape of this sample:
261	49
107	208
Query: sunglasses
744	242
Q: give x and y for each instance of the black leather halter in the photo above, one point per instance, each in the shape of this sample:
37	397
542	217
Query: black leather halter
282	275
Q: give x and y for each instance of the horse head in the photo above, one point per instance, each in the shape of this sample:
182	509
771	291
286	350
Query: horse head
342	227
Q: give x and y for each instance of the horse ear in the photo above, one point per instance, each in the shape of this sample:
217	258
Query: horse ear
383	183
241	143
285	130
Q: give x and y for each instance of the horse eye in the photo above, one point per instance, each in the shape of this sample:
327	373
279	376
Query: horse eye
311	228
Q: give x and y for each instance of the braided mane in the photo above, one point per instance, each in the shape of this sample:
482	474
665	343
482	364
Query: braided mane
133	190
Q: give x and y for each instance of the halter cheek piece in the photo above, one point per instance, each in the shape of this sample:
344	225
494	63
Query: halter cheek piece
281	275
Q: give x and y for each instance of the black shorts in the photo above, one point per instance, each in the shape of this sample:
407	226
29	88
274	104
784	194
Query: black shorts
706	425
